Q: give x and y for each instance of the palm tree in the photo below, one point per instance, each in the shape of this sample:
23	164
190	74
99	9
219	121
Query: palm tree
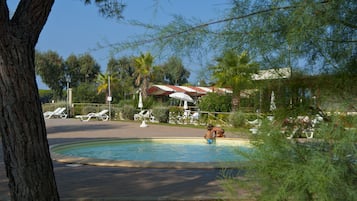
142	74
102	80
234	71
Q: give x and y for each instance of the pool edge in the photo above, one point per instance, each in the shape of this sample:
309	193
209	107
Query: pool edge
145	164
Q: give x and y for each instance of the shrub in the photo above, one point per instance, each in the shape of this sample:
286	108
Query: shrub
295	169
214	102
88	109
52	106
161	114
237	119
128	112
115	112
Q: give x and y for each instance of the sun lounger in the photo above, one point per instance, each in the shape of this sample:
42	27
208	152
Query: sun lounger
57	113
144	115
45	114
99	116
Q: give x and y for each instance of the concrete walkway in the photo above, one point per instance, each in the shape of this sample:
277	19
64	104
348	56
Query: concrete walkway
117	183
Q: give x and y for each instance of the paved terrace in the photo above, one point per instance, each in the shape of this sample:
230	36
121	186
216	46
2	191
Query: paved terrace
117	183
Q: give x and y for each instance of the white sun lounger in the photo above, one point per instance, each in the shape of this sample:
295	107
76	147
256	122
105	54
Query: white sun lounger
99	116
47	113
144	115
57	113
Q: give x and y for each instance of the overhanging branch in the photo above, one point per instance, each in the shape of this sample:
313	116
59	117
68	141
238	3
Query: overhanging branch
200	26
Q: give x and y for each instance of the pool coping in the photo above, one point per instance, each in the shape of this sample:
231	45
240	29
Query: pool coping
145	164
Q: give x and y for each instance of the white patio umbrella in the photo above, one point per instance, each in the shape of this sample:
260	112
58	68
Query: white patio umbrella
140	103
181	96
272	102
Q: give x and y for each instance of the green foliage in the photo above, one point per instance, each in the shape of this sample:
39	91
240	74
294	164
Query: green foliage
234	71
276	33
161	114
122	70
115	113
176	74
55	72
238	68
131	102
175	110
143	71
237	119
87	93
50	66
128	112
147	102
283	33
87	109
73	70
316	169
214	102
109	9
46	96
89	68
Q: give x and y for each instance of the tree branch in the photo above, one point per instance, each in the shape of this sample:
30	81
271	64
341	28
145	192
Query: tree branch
200	26
30	17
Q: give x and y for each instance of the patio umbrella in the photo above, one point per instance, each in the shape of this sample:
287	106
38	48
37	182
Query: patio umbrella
181	96
140	103
272	102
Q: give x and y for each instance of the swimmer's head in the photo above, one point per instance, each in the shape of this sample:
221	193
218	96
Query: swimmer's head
209	127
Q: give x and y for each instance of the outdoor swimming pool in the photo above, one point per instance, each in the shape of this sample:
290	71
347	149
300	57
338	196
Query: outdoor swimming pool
154	152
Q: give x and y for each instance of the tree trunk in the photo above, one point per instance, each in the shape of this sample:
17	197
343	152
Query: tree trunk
236	101
25	147
26	152
145	87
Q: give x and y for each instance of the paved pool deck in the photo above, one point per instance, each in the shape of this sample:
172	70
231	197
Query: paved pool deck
95	183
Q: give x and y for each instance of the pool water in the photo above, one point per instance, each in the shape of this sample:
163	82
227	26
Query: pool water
157	150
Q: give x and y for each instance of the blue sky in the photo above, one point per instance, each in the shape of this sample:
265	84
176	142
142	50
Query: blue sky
75	28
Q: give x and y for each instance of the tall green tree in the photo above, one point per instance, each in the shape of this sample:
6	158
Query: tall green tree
73	69
176	73
87	93
143	70
55	72
89	68
159	75
124	69
234	71
50	66
22	126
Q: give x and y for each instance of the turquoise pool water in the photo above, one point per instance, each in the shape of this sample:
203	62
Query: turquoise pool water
157	150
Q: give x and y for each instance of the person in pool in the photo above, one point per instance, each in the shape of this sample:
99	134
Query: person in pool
210	136
218	131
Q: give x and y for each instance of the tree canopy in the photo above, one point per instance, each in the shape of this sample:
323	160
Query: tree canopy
176	74
235	71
